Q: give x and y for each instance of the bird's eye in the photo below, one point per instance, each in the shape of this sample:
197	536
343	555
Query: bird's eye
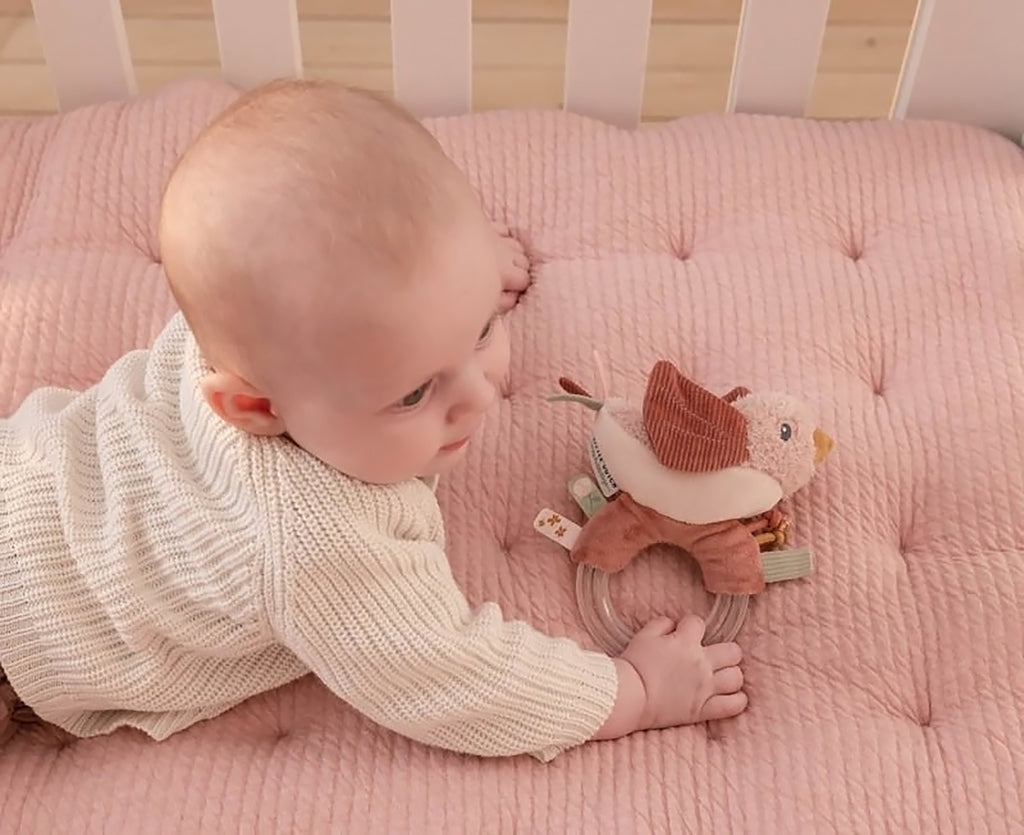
785	431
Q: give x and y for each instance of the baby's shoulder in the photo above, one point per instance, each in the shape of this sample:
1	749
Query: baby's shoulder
324	503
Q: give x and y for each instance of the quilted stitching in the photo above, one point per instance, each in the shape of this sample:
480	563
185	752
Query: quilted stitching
874	269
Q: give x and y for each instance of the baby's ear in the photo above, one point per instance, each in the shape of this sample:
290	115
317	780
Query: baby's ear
240	404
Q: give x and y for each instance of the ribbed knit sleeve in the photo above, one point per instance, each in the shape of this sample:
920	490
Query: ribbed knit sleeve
371	606
158	567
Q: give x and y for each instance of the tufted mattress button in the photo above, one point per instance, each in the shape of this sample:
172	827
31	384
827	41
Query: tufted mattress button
853	247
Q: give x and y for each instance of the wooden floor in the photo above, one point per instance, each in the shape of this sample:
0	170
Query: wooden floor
519	46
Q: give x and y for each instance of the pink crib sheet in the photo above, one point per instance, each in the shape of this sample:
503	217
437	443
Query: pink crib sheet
875	269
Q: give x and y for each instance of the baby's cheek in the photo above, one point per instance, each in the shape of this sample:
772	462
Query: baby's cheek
498	354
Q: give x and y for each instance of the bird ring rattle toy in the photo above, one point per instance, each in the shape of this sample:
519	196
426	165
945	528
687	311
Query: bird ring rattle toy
694	470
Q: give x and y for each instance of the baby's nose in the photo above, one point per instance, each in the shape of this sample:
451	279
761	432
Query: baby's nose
475	394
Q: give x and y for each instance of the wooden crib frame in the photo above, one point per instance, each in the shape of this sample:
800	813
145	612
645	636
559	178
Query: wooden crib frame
963	60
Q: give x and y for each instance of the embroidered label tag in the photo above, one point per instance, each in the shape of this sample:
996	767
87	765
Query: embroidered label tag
791	564
585	493
604	478
557	528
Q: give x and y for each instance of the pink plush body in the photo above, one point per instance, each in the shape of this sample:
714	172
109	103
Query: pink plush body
874	269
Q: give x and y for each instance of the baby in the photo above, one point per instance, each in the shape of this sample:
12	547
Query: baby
252	499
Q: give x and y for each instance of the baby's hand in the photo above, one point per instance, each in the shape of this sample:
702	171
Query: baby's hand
667	678
514	266
684	681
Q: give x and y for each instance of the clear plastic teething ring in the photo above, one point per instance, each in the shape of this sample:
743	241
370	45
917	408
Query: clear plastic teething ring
610	631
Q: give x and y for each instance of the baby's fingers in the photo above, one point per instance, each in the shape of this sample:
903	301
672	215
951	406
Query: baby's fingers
508	301
728	680
515	275
723	707
518	255
724	655
657	627
515	281
690	629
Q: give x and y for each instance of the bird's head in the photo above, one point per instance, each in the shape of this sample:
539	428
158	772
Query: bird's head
684	428
783	439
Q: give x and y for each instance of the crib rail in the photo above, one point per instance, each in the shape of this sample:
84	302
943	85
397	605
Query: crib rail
965	62
431	45
255	47
962	60
777	50
606	58
86	50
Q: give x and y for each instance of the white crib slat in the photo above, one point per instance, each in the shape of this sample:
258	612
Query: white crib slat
86	50
606	59
777	50
964	63
258	41
432	55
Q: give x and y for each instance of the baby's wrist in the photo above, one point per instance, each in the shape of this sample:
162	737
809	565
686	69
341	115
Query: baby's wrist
630	705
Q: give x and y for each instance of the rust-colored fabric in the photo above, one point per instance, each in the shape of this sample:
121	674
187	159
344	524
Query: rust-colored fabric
736	394
727	552
572	387
690	428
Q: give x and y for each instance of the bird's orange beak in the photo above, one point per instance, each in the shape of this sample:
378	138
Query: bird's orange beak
822	446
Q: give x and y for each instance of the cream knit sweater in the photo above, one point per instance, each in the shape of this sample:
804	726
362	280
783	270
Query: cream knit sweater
158	567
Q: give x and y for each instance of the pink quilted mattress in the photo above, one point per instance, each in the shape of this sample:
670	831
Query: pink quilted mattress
875	269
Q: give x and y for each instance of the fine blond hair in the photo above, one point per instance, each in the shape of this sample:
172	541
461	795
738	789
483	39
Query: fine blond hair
299	186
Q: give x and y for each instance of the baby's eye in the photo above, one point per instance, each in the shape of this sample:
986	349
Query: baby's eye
486	332
414	397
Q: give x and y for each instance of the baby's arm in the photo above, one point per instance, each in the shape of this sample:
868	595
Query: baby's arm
388	630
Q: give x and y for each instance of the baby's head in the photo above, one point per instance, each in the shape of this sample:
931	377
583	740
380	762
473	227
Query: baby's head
340	277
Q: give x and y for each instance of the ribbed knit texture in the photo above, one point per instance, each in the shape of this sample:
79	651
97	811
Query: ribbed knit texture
873	269
158	566
690	428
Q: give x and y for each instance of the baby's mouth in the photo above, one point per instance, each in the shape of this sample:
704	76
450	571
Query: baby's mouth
455	446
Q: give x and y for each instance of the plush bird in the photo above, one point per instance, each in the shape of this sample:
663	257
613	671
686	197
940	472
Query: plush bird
696	470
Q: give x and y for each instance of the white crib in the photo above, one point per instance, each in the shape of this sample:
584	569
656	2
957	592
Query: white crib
888	689
962	60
